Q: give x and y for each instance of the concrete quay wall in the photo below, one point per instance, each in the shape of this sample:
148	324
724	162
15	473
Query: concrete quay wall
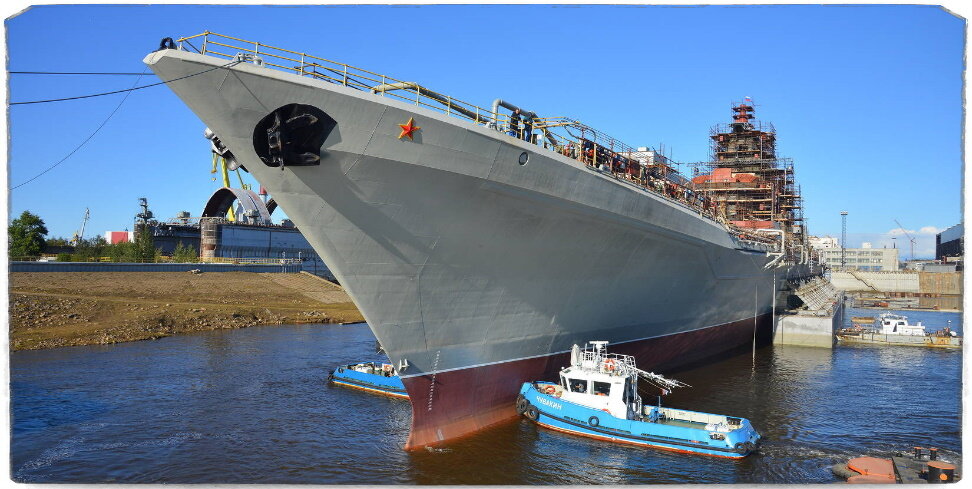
809	330
876	281
54	266
947	283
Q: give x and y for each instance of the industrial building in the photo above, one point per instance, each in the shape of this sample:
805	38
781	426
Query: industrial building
115	237
949	244
823	242
865	259
235	227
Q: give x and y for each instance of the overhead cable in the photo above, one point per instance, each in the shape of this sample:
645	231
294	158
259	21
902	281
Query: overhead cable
231	63
75	150
102	125
71	73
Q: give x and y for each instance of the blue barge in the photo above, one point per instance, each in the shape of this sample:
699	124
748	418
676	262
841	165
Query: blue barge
370	376
598	397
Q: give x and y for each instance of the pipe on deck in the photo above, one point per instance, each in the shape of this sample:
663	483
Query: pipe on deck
527	114
438	97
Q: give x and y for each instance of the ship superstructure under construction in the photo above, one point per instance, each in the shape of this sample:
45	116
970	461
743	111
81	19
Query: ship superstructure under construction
749	186
479	243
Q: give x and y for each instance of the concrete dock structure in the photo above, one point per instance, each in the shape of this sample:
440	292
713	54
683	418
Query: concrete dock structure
815	323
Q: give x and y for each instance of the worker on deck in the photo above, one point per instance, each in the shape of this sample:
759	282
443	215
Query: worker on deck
528	130
515	123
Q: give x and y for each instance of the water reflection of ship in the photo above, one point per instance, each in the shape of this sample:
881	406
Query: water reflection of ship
479	258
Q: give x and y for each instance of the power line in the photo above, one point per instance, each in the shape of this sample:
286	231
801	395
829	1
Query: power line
98	129
231	63
75	150
72	73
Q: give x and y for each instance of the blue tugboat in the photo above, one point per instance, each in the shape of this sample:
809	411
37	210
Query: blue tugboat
370	376
598	397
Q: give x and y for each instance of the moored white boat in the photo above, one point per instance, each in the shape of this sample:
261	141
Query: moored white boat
894	329
598	397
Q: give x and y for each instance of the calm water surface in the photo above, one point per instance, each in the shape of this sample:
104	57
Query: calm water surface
252	405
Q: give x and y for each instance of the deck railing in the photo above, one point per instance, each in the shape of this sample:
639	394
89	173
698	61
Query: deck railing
344	74
563	135
563	129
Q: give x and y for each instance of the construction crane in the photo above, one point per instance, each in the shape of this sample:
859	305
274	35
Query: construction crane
909	238
78	236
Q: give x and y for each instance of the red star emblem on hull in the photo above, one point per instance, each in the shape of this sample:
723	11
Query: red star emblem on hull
408	129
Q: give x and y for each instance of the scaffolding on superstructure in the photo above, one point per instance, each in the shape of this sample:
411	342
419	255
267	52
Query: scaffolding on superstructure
749	185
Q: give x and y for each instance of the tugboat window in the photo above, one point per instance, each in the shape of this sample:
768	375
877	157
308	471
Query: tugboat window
602	388
524	158
577	385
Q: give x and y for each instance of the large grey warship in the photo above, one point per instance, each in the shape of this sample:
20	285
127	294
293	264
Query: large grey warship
479	253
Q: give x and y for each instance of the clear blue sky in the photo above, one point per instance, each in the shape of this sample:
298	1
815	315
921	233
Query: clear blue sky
867	100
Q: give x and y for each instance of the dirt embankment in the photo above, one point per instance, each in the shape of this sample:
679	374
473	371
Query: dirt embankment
54	309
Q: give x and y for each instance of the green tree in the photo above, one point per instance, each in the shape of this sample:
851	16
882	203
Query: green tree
57	242
121	252
26	235
91	249
184	254
144	249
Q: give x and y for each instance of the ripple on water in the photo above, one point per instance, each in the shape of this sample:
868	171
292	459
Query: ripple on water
251	405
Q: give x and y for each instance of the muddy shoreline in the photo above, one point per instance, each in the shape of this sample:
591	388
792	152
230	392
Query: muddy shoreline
55	309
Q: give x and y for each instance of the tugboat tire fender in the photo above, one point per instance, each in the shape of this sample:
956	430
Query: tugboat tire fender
593	421
521	404
532	413
743	447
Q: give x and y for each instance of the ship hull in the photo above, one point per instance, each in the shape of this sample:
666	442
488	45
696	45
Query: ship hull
476	272
468	400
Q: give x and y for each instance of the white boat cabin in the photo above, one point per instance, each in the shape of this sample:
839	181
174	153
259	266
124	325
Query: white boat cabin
600	380
609	382
898	325
383	369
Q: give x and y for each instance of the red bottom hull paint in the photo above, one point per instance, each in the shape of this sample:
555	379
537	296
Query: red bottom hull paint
468	400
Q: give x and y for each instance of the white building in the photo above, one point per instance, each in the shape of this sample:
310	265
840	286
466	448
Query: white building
866	259
823	242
